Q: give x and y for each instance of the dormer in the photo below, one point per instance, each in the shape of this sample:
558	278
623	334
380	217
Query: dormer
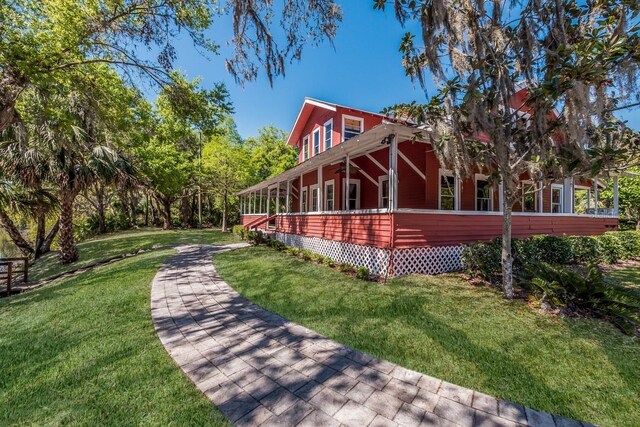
321	126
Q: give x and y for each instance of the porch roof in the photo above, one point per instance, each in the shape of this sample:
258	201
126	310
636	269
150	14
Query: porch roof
358	145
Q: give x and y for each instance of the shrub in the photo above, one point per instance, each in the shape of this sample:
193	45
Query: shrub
483	260
329	262
629	243
609	248
307	255
585	249
278	245
293	251
362	273
238	230
549	249
255	237
346	268
317	258
585	292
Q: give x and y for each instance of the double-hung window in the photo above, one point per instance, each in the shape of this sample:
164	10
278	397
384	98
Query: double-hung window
529	197
315	198
329	195
316	142
483	194
305	148
448	191
303	200
351	126
383	192
556	198
328	135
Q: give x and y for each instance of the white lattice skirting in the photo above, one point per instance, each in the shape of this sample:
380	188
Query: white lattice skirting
432	260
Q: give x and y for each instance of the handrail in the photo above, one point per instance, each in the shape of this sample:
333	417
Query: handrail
10	273
261	221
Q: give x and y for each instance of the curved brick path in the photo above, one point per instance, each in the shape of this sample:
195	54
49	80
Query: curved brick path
261	369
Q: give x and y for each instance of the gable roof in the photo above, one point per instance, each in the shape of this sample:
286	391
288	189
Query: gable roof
308	105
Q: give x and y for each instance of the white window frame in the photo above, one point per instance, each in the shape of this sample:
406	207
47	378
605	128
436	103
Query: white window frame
305	148
381	179
304	199
345	191
313	142
456	188
481	177
329	134
535	196
360	119
314	189
561	204
327	183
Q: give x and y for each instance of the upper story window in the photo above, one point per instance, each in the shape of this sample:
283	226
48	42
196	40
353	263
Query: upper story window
351	126
556	198
483	194
316	142
448	191
328	134
305	148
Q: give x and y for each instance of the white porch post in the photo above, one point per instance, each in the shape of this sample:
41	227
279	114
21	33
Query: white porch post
346	184
300	209
288	193
320	189
393	174
241	205
567	194
616	202
268	201
255	202
595	195
278	199
260	210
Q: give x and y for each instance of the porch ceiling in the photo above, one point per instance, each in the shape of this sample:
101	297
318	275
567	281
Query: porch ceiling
362	144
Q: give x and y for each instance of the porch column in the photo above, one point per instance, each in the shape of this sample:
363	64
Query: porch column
616	202
300	209
241	205
320	189
567	194
541	197
346	184
260	209
278	199
393	174
288	192
595	195
255	202
268	201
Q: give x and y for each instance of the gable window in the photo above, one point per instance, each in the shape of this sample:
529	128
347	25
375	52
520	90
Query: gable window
383	192
483	194
354	194
351	126
316	142
448	191
315	198
328	135
329	194
305	148
556	198
529	197
303	200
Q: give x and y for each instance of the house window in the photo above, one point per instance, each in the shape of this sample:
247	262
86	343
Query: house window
483	194
351	126
315	198
305	148
329	194
354	194
448	191
303	200
556	199
316	142
328	135
383	192
529	197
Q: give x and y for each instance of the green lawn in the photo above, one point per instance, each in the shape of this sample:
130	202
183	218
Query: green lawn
111	245
629	277
442	326
83	351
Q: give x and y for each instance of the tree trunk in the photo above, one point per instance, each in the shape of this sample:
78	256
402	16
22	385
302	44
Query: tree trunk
41	225
68	249
46	245
14	233
225	201
166	213
146	210
102	220
185	209
507	258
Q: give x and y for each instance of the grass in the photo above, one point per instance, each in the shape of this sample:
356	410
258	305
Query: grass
628	277
110	245
441	326
83	351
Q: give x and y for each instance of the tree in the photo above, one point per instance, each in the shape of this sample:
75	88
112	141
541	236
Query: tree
42	41
570	55
270	154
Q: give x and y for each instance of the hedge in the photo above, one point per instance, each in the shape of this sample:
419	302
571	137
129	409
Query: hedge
484	259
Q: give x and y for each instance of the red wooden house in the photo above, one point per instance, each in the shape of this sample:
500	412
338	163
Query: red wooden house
367	192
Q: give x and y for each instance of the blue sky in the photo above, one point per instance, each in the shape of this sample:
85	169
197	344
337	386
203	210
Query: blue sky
361	70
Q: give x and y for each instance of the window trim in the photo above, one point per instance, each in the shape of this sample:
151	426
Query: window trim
561	204
313	136
346	116
324	128
358	188
482	177
326	199
535	196
305	147
312	188
304	199
456	188
381	179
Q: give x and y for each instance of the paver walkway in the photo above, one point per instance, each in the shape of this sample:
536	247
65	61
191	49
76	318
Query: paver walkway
261	369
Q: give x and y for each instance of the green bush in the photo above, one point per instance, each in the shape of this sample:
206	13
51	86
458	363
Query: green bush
307	255
346	268
255	237
240	231
292	251
363	273
317	258
629	243
549	249
609	248
585	249
329	262
483	260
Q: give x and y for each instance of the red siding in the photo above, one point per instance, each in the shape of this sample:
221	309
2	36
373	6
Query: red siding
365	229
248	219
417	230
